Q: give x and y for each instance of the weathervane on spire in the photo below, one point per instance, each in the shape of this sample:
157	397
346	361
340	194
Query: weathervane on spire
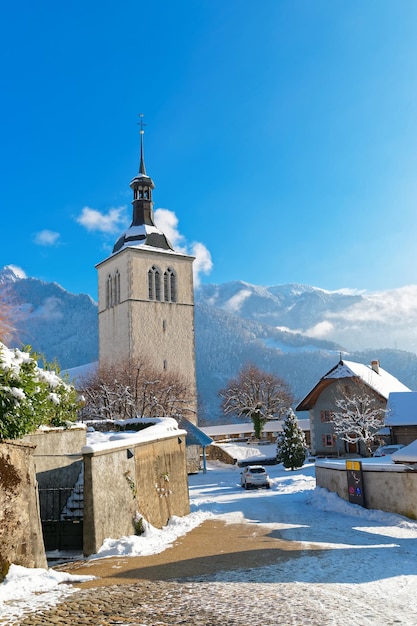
142	169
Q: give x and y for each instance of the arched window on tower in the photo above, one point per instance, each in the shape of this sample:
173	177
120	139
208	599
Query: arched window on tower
116	293
109	292
170	285
154	283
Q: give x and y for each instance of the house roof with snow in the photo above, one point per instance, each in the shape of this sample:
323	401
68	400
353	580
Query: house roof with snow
408	454
228	430
402	409
376	378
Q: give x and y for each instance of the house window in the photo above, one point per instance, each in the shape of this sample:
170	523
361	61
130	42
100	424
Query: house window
154	283
170	285
328	440
326	416
165	364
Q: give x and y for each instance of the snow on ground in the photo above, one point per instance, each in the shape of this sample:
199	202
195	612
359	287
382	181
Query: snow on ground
352	560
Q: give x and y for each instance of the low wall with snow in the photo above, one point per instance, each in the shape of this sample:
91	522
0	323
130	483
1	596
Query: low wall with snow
145	472
21	540
387	486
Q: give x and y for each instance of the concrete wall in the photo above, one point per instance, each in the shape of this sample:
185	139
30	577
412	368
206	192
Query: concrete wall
149	477
391	488
21	540
57	456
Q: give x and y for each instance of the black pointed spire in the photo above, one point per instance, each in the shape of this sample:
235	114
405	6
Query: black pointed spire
142	168
142	230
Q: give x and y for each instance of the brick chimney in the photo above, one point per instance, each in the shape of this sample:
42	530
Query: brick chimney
375	366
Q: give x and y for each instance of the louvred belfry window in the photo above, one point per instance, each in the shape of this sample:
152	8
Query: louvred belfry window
170	285
154	283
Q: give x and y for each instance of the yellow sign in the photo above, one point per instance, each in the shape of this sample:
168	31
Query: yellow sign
353	465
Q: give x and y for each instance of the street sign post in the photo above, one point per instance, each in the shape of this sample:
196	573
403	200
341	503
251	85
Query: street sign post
355	482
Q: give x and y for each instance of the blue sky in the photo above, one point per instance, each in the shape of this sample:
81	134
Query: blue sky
281	135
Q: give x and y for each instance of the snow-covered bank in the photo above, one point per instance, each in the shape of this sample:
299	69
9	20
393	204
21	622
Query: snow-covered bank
342	550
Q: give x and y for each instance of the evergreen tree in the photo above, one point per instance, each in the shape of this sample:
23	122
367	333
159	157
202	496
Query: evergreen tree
291	445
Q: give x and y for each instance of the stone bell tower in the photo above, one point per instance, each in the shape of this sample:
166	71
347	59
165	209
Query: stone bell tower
145	293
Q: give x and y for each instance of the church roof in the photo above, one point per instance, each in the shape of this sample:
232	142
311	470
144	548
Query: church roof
138	235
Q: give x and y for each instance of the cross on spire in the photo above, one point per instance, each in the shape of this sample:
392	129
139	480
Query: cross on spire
142	168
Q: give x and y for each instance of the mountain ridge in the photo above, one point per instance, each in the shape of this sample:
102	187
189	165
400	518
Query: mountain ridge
230	330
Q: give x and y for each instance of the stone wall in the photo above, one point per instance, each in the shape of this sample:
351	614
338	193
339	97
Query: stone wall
21	540
391	488
149	477
216	453
57	456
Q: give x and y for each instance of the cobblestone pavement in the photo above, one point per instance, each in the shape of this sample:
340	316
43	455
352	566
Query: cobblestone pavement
192	603
216	575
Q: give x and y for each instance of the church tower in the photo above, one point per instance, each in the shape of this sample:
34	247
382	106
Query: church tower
146	295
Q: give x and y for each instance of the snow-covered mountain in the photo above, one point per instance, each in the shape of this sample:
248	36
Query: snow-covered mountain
386	319
295	331
59	324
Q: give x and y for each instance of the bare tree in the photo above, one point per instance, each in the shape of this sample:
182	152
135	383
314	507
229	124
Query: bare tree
359	418
134	389
257	394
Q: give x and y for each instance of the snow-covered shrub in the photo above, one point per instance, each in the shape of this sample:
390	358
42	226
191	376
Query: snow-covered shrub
31	396
291	445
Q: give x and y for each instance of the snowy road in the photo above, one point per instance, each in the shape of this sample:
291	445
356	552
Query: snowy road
354	566
359	565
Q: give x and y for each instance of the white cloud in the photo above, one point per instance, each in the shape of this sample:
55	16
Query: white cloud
167	222
385	318
203	263
110	222
46	238
322	330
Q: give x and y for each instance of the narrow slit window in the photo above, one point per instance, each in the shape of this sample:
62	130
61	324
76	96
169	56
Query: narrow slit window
109	292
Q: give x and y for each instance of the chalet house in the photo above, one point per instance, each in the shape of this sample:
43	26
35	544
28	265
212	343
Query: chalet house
401	417
347	378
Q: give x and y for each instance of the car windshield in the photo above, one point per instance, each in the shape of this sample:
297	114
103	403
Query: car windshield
257	470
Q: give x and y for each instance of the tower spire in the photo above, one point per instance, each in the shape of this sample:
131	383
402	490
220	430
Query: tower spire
142	168
142	230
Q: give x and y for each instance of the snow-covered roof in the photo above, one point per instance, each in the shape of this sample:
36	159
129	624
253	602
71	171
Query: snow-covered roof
402	409
374	377
381	381
195	435
247	427
408	454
